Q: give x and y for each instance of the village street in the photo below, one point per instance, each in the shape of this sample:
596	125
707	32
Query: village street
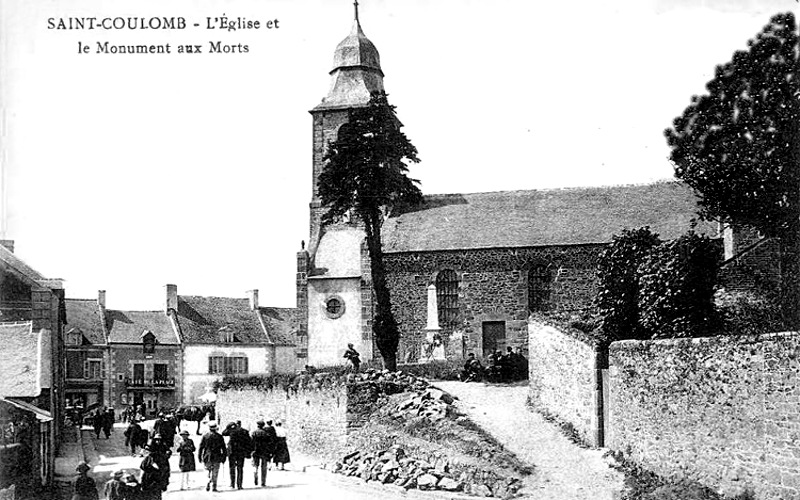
302	480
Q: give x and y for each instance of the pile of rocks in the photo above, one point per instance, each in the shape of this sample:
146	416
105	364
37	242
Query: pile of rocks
392	466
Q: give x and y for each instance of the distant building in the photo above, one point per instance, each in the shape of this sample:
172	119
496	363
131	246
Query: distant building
87	354
32	314
230	336
163	359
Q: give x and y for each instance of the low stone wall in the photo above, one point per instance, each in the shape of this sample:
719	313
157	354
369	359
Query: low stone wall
563	379
723	411
315	418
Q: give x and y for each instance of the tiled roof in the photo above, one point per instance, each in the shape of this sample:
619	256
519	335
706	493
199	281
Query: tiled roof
542	217
128	326
278	321
201	318
21	362
15	262
85	314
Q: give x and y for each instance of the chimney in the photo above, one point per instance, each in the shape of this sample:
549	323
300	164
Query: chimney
253	299
172	299
101	299
8	244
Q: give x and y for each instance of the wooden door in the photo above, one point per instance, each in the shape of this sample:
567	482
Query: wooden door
494	336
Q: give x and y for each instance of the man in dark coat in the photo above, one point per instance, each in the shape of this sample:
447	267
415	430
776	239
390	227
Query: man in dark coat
156	471
353	356
166	427
133	436
239	447
97	422
108	422
212	453
263	449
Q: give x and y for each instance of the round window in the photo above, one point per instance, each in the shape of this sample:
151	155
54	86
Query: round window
334	307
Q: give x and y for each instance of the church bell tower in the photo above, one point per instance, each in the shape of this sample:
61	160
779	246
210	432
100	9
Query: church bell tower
334	286
355	76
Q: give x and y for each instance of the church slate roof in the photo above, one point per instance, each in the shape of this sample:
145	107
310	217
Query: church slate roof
553	217
201	318
278	322
127	327
85	314
21	361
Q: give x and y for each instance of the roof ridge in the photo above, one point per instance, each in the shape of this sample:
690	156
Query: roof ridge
563	188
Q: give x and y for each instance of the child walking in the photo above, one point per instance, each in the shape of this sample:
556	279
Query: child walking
186	450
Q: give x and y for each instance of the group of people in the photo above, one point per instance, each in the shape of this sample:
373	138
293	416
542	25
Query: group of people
267	443
103	420
136	412
503	367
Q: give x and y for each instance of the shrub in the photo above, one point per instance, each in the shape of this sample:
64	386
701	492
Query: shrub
676	287
448	369
618	296
748	313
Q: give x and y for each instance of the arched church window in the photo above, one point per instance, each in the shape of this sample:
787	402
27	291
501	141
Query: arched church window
540	280
447	299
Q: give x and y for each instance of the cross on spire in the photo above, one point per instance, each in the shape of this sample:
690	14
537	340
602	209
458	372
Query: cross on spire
355	5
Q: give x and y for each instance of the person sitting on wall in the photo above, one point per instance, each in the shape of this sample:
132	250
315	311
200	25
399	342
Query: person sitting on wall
473	370
508	365
494	371
353	356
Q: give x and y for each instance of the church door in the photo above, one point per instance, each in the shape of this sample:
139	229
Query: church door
494	336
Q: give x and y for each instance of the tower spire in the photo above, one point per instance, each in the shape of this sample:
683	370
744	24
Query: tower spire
355	6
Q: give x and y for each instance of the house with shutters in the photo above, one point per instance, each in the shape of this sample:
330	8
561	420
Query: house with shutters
230	336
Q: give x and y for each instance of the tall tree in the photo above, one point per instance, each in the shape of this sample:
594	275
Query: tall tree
366	175
737	146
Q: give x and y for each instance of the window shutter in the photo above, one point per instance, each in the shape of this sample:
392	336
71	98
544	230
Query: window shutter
227	365
245	366
86	369
103	370
210	365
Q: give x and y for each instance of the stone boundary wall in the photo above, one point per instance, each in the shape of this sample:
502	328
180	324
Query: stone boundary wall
315	419
724	411
563	379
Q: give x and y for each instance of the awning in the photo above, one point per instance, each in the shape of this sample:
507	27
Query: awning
41	415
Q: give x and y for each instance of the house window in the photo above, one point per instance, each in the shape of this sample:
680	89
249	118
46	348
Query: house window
447	299
94	369
148	342
75	337
236	365
226	335
159	373
216	365
539	285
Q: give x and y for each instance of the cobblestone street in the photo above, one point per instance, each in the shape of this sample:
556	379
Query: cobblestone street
564	471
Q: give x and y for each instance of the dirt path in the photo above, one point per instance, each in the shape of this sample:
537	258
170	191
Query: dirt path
564	471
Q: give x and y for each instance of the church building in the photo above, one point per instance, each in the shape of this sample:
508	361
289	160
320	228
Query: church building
465	271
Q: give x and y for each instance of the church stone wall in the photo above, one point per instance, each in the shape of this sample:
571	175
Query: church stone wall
494	285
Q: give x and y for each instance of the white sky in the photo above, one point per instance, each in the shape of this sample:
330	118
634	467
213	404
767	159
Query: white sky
127	172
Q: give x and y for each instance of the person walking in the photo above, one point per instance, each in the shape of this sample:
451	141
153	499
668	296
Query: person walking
85	488
142	412
281	457
115	488
132	487
240	446
108	422
97	422
132	436
353	356
212	453
166	427
156	471
263	449
186	463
